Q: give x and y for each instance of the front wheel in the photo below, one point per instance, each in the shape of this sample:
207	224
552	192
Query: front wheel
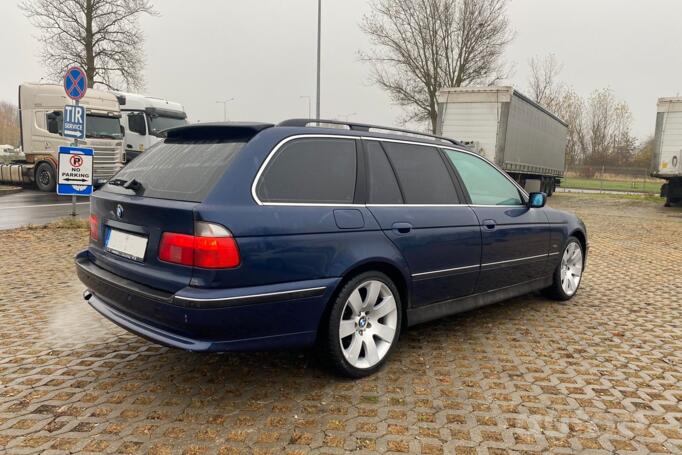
363	326
45	177
569	272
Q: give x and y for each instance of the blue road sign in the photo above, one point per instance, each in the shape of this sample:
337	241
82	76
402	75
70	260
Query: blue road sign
75	83
74	122
75	171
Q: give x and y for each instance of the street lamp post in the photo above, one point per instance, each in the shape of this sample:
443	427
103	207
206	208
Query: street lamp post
319	52
309	103
224	103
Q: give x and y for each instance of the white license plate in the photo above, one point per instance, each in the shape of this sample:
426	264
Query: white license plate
129	246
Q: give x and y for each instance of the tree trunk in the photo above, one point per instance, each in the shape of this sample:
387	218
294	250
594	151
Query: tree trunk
89	44
434	121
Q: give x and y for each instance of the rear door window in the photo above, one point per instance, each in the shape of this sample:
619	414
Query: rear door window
422	174
311	170
383	185
179	170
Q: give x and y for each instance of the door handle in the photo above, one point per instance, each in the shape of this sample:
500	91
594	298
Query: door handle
489	224
402	228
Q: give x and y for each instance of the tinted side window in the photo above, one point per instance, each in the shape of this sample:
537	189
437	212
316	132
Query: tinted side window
383	186
486	185
422	174
315	170
136	123
55	123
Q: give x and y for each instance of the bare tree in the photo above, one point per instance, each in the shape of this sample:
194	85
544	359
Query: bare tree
423	46
9	124
571	109
543	81
101	36
609	124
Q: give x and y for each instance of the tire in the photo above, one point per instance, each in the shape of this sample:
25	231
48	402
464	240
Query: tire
363	326
45	178
564	286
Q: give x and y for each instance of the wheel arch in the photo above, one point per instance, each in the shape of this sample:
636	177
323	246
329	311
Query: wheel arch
49	161
582	238
384	266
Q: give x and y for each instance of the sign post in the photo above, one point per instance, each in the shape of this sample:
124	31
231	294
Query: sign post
75	164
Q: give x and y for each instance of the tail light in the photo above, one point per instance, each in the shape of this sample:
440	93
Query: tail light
94	227
211	247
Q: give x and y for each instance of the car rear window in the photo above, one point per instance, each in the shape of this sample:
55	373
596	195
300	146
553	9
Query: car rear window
178	170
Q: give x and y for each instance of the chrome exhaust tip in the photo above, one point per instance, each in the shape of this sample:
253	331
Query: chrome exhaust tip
87	295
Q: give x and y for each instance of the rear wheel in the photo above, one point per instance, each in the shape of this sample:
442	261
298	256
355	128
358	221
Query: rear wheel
569	272
45	178
363	326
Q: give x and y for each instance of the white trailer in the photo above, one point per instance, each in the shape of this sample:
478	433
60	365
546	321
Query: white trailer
144	119
667	158
500	123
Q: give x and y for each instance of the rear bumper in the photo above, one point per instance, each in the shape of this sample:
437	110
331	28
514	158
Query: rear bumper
265	317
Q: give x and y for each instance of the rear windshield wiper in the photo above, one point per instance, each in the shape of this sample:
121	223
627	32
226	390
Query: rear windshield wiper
117	182
133	184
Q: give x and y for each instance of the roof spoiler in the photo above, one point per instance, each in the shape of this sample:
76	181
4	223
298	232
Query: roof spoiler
216	131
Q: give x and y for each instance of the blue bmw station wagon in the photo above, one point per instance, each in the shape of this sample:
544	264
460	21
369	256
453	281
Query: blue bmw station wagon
245	236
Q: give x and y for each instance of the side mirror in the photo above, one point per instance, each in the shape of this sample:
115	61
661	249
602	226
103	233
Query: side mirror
537	200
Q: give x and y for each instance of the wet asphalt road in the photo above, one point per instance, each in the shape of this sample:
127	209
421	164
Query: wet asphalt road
35	207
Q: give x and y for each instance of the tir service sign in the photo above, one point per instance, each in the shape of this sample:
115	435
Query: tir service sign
74	122
75	171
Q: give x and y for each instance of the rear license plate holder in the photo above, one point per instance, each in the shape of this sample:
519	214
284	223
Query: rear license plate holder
125	244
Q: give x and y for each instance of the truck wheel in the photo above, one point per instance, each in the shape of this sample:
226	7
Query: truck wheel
363	325
550	187
44	177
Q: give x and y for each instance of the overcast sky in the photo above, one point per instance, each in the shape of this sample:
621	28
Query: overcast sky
263	54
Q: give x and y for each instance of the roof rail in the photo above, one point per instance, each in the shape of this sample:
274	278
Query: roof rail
364	127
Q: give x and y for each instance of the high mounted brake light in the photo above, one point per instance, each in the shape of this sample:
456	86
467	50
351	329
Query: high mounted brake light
212	247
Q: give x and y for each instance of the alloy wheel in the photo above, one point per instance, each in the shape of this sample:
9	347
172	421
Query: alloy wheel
368	324
571	268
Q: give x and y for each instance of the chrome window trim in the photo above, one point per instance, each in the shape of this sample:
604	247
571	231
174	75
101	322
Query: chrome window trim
416	205
248	296
286	140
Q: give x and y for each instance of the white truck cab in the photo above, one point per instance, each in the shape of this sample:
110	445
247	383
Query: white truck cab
145	118
41	109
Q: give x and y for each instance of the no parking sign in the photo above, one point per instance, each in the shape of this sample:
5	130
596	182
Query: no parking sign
75	171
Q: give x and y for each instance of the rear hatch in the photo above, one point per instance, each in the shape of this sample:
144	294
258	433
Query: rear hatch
156	193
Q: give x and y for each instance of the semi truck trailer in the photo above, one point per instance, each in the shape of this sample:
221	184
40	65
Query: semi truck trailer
500	123
41	109
667	157
145	118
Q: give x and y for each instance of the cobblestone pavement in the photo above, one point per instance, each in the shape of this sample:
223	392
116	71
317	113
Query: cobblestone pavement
602	374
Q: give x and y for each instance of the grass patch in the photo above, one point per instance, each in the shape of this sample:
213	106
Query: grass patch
653	198
611	185
63	223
